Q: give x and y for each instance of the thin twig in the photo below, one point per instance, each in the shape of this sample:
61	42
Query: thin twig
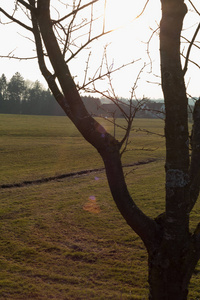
74	12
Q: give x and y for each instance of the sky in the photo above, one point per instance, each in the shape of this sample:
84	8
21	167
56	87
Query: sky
127	43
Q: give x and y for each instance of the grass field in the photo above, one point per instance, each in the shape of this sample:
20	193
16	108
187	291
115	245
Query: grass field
65	239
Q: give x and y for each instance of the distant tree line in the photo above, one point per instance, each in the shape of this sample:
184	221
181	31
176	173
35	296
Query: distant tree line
19	96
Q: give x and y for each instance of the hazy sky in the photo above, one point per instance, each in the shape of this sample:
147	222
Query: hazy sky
125	44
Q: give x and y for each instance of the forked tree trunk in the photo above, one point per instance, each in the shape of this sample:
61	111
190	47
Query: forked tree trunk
173	251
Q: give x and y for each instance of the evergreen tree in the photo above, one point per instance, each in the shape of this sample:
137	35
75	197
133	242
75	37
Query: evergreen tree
3	94
16	91
35	98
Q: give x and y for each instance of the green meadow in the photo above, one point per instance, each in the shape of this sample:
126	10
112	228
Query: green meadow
65	239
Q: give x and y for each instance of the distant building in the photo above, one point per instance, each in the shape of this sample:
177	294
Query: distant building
147	109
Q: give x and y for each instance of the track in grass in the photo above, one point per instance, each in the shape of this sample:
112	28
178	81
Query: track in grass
71	174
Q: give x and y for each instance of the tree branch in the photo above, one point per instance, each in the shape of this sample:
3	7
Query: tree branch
50	79
189	49
17	58
74	12
87	43
194	7
28	6
15	20
143	9
191	61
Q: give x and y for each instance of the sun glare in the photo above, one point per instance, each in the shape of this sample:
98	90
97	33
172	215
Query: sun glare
132	23
131	20
118	13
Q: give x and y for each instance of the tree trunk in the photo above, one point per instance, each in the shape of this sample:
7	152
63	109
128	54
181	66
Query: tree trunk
168	274
107	146
171	267
166	281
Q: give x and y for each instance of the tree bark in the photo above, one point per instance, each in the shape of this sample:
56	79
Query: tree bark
166	279
176	122
171	267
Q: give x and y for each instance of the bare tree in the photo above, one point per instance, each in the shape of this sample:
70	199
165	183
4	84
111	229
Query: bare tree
173	250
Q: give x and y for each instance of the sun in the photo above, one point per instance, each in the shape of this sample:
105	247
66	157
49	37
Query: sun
131	21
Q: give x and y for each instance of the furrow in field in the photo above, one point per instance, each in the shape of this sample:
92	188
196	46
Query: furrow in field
72	174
